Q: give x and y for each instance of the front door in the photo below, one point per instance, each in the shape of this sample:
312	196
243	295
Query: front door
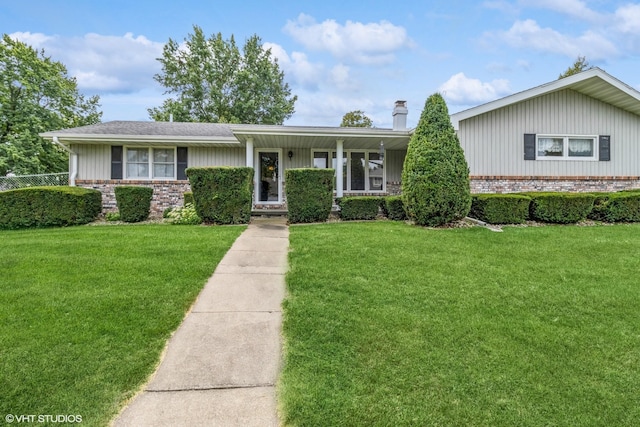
268	180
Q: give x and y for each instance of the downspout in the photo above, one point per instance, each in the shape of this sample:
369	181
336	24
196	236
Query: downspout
73	164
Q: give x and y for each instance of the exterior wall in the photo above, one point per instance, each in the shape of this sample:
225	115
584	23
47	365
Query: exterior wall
165	193
579	184
94	161
494	142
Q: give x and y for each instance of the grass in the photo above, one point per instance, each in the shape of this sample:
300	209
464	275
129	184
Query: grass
86	311
388	324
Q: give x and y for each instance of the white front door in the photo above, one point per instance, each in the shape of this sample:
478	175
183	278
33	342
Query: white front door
268	176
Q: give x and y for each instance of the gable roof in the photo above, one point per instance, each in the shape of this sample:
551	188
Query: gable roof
594	83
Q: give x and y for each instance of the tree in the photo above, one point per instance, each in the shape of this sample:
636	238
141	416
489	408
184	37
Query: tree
214	82
435	177
579	66
356	119
36	95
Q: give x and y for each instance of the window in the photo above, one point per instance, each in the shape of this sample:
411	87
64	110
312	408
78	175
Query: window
362	170
555	147
150	163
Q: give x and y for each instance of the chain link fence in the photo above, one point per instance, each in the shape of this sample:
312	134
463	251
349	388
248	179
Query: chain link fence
51	179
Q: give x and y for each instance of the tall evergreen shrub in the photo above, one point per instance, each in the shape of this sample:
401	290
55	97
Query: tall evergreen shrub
435	177
222	195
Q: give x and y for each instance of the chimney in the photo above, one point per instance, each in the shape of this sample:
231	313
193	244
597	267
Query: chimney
400	116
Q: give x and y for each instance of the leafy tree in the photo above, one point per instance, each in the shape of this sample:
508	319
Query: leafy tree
579	66
356	119
214	82
36	95
435	177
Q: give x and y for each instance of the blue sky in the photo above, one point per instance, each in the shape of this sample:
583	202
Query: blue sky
339	56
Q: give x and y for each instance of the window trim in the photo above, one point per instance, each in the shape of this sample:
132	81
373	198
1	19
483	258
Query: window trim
565	148
150	163
347	174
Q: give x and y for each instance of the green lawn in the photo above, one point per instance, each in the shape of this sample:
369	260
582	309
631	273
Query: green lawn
387	324
87	310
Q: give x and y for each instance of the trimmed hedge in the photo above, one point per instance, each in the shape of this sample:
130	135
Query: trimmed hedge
188	198
560	208
309	194
359	207
500	208
134	203
222	195
48	207
623	206
394	208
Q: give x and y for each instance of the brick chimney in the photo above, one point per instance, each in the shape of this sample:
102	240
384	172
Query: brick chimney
400	116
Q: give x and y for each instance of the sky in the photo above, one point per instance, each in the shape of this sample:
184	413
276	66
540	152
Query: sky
338	56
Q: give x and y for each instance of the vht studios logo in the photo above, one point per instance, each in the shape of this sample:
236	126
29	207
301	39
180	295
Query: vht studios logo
42	418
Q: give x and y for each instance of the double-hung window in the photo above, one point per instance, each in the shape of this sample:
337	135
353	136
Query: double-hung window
362	170
558	147
150	163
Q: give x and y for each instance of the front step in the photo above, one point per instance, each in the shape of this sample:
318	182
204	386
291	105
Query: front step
269	212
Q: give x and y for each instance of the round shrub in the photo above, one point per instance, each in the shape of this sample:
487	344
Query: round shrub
185	215
134	203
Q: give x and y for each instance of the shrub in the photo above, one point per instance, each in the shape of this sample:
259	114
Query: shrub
435	177
561	208
623	206
48	206
394	208
359	207
112	216
134	203
500	208
184	215
309	194
222	195
188	198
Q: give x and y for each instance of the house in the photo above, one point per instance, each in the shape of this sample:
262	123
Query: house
156	154
580	133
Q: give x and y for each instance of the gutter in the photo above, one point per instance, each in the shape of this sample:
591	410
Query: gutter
73	166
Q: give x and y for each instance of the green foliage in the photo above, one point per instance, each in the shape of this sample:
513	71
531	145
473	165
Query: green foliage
623	206
579	66
48	206
435	176
394	208
36	95
309	194
222	195
133	202
184	215
356	119
112	216
188	197
500	208
560	208
216	83
359	207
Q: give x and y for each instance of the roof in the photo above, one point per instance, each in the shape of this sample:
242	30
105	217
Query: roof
594	83
219	134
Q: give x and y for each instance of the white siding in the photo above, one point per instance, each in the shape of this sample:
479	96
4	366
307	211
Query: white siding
394	160
494	142
211	156
94	161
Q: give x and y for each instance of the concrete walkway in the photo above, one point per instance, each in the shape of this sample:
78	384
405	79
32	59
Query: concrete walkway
221	365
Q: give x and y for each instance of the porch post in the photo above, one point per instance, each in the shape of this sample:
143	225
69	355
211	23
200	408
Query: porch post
249	152
339	174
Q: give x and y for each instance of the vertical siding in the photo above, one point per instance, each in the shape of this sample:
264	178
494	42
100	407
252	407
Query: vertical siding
215	156
394	161
493	142
94	161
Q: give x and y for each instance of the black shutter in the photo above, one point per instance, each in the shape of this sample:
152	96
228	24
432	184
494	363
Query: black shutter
181	164
116	162
604	148
529	146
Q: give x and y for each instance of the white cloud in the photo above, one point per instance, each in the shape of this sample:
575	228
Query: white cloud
628	19
372	43
528	34
462	90
297	68
103	64
574	8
